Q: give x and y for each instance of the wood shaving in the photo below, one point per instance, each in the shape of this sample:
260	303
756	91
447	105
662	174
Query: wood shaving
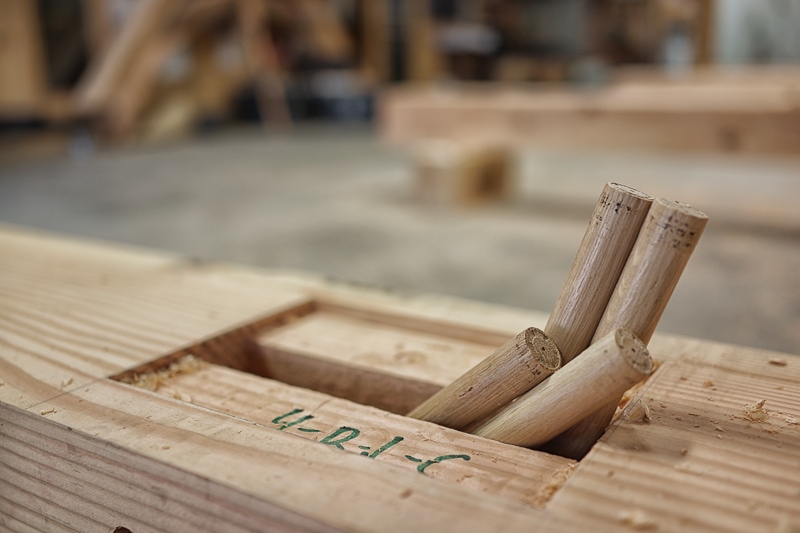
718	428
47	411
66	383
777	361
792	421
152	381
708	383
181	396
755	412
556	481
633	391
639	413
638	520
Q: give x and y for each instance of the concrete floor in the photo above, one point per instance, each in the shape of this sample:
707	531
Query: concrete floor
337	202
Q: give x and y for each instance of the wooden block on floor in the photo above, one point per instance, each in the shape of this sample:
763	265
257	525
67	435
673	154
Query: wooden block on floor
451	173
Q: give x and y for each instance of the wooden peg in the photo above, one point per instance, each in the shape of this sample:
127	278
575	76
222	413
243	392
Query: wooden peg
612	232
603	372
514	368
662	250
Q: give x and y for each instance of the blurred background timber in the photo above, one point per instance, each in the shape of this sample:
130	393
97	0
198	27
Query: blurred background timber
416	145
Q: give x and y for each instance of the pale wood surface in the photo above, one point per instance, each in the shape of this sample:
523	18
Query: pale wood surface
609	238
394	368
692	118
485	465
667	239
518	365
452	173
99	454
23	69
72	312
699	464
602	373
108	72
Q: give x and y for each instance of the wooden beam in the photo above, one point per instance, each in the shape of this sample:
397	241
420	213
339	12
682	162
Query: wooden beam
23	73
82	451
516	473
109	70
741	119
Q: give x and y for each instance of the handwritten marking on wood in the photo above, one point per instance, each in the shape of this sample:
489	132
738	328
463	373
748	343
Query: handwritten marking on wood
516	473
345	434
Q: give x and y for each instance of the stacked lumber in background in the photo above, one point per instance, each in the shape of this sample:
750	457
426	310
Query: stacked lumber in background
714	114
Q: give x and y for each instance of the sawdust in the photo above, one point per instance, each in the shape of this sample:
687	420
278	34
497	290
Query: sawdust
639	413
633	391
556	481
152	381
755	412
182	396
777	361
638	520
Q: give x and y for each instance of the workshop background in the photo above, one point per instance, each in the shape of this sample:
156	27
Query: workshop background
418	146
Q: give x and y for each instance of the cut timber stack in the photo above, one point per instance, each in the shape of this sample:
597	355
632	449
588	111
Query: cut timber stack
741	118
106	422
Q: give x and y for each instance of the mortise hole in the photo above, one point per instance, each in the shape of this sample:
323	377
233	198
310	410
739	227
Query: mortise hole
345	352
339	350
356	354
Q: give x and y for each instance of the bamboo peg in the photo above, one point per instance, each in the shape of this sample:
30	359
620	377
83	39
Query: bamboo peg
662	250
511	370
609	238
604	371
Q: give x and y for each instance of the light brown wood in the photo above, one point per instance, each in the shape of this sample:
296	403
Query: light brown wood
422	57
378	361
514	368
612	231
757	119
609	238
108	71
699	464
23	69
450	173
487	466
99	26
91	453
662	250
375	45
262	62
604	371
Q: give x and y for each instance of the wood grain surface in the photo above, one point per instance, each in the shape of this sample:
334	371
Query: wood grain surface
80	451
